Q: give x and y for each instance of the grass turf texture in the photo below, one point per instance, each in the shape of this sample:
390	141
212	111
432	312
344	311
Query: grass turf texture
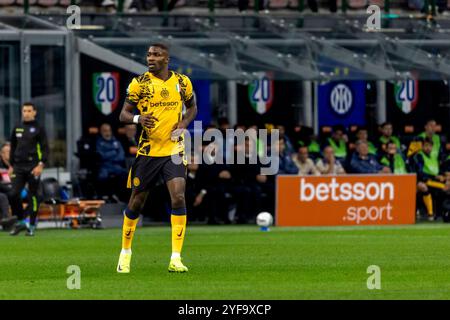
232	262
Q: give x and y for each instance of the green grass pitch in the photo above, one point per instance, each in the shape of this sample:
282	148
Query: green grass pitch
232	262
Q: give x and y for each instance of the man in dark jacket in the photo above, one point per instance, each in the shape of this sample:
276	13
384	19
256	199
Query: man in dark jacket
112	172
6	220
363	162
29	152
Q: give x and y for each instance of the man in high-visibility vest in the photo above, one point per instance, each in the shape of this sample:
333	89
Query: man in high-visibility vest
387	130
430	133
338	142
393	159
428	175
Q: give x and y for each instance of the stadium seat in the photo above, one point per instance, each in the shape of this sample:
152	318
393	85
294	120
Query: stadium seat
278	4
379	3
31	2
7	2
121	131
409	129
51	192
357	4
47	3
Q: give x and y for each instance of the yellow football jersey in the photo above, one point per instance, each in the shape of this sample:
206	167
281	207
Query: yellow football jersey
165	99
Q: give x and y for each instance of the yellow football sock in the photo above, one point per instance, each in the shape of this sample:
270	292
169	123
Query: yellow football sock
428	201
129	226
178	230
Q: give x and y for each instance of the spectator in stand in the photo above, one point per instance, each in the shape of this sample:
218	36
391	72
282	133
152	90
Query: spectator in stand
243	5
429	177
387	130
363	162
314	147
393	159
446	164
129	144
247	180
304	163
338	142
363	135
195	193
6	220
430	133
216	190
289	147
112	170
286	163
328	164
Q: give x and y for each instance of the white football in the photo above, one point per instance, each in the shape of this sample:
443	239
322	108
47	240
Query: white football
264	219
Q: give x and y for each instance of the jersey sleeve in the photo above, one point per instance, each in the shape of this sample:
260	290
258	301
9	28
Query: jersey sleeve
189	91
133	92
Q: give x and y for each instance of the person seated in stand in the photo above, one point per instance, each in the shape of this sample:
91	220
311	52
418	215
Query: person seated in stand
430	134
129	143
363	135
339	143
394	159
387	130
328	164
304	163
363	162
112	170
286	162
6	220
429	177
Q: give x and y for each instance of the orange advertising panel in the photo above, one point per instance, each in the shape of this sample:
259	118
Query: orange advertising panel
346	200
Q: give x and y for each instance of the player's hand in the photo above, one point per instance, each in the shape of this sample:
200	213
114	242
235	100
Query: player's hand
148	120
440	178
178	130
37	171
10	171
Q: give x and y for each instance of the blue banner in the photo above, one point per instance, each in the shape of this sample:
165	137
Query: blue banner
342	103
202	90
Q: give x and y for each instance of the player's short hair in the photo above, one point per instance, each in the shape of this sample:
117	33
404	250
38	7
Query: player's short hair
29	104
384	124
161	46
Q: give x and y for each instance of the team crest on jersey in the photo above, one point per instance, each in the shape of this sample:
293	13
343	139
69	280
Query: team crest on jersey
136	182
164	93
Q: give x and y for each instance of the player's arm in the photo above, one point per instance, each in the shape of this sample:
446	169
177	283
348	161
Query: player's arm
190	104
127	115
191	112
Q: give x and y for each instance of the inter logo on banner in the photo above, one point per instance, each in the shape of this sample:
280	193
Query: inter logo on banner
106	91
406	94
341	102
260	92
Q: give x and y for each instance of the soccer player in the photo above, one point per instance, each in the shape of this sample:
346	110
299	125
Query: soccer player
158	95
29	151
